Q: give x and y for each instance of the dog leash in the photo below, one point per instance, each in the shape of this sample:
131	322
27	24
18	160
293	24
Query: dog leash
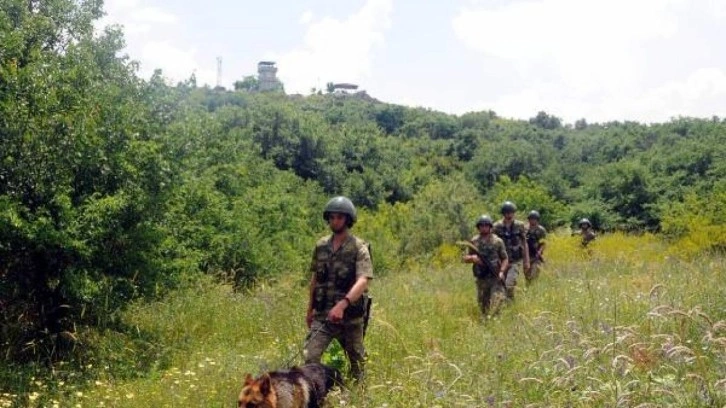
301	350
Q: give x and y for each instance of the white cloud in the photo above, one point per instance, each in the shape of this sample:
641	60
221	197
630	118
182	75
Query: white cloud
150	42
590	58
135	18
338	50
154	15
306	17
702	90
177	64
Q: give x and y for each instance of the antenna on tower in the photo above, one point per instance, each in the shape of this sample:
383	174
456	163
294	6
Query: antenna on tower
219	71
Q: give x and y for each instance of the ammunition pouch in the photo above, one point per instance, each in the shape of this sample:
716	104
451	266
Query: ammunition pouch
484	271
478	271
319	299
532	246
357	309
516	254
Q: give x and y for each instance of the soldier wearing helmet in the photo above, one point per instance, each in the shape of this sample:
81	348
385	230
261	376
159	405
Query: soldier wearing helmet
536	234
341	268
513	233
586	232
489	258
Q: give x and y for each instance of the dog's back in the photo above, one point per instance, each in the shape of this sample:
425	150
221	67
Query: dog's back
299	387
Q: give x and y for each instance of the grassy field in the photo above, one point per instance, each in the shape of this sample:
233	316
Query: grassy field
624	324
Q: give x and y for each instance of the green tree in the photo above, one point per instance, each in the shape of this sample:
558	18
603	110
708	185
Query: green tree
626	188
528	195
249	83
546	121
84	177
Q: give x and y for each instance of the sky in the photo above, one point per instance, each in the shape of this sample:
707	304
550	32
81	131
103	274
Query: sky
601	60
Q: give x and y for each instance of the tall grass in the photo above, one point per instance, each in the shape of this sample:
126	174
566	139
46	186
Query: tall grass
620	324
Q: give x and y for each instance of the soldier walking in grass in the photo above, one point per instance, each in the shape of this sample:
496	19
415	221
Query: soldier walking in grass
536	234
586	232
488	255
513	233
339	304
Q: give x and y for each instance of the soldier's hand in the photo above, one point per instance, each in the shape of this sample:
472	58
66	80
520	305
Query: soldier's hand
526	266
501	276
309	318
473	259
335	314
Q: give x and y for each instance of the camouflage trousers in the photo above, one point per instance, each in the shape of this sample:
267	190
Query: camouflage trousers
489	294
533	272
350	336
511	282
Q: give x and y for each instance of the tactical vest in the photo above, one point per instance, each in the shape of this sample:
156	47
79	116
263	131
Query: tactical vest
488	251
512	237
335	274
533	237
587	236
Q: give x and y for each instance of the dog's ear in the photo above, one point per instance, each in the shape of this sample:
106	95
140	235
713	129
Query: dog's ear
265	384
248	380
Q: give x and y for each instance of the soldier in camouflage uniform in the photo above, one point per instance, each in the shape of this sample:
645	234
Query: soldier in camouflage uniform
341	268
586	232
535	243
489	261
513	233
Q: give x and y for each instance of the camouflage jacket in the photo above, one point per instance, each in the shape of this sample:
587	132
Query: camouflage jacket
514	238
493	252
587	236
535	239
336	272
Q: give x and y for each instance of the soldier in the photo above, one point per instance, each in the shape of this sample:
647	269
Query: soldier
536	244
341	268
513	233
586	232
489	258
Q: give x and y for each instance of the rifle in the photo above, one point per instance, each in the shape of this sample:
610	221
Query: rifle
367	299
367	316
488	266
536	256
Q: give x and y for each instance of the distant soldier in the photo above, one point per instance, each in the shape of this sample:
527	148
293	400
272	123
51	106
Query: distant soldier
586	232
489	258
513	233
536	244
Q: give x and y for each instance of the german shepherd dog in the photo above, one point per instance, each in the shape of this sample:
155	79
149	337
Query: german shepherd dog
299	387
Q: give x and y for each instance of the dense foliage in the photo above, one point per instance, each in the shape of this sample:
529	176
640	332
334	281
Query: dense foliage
114	188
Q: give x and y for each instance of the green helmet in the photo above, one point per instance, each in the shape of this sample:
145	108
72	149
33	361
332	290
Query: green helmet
508	207
484	220
341	205
533	214
585	221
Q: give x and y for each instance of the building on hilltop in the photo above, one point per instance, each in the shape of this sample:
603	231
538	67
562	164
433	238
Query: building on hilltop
267	76
344	88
